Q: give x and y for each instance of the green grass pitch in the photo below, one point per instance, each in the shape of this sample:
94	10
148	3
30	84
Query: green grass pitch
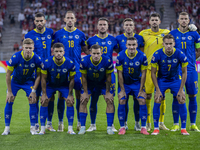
20	137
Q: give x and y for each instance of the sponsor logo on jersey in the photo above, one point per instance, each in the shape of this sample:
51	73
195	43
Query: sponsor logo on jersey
70	37
76	36
32	65
58	70
25	65
103	43
183	38
137	63
49	36
169	61
109	42
64	70
102	69
175	60
95	70
43	38
189	38
131	64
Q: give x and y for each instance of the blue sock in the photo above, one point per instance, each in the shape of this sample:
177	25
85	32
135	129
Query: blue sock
32	114
61	109
156	114
77	109
93	107
43	115
126	110
183	114
83	117
143	114
110	118
175	110
136	109
37	111
70	115
50	110
8	113
193	109
121	114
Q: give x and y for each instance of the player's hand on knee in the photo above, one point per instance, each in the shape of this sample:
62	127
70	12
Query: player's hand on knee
32	98
9	97
44	99
70	100
181	97
142	94
109	97
84	97
158	97
122	94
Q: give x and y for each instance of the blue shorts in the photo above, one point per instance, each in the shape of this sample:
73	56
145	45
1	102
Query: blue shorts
174	86
27	87
52	90
191	83
77	81
130	89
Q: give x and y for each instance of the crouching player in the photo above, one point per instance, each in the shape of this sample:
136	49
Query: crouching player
96	72
22	66
131	68
54	78
168	60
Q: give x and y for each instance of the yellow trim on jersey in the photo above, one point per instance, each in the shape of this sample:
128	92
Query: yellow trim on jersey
183	32
109	71
184	64
86	43
126	36
44	71
52	41
126	52
72	73
101	37
68	30
197	45
155	65
38	69
61	63
83	71
98	62
171	54
11	68
120	68
40	32
22	53
143	67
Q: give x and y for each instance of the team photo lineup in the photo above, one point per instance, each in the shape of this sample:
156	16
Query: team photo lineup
149	65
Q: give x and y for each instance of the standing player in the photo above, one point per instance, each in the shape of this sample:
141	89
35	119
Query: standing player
129	27
22	66
168	60
54	78
74	41
153	41
189	43
96	72
131	67
108	43
42	38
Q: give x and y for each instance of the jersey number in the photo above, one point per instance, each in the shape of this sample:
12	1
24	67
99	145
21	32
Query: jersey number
71	43
25	71
169	67
104	49
183	43
95	75
130	70
58	76
44	44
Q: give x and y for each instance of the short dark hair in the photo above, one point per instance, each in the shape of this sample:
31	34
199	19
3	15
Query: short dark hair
28	41
95	46
70	11
127	19
58	45
155	15
184	14
131	39
103	18
39	14
168	36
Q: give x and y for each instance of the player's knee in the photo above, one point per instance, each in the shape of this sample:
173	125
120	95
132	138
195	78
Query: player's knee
122	102
69	103
45	104
149	96
60	96
78	94
142	101
158	100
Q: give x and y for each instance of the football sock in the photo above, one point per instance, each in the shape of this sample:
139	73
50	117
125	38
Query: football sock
8	113
37	111
43	115
50	110
32	114
175	110
77	109
110	117
61	109
70	115
143	114
148	104
156	114
162	110
93	107
121	114
183	114
126	109
193	109
83	117
136	110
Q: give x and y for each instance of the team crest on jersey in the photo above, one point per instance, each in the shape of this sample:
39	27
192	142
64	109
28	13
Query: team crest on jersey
70	37
10	61
49	36
102	69
131	64
32	65
189	38
183	38
175	60
137	63
109	42
64	70
58	70
162	35
76	36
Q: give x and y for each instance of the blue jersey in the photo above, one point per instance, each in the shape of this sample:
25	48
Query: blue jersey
121	40
107	44
168	65
42	42
73	41
131	67
187	42
96	74
57	75
24	70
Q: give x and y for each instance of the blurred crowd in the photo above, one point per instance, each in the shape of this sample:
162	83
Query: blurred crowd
3	7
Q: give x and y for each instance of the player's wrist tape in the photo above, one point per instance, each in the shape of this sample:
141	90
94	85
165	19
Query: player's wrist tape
33	90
